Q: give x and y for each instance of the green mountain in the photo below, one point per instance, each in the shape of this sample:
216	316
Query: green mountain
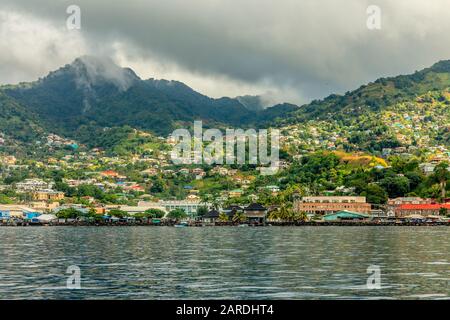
83	98
403	111
94	93
375	96
16	122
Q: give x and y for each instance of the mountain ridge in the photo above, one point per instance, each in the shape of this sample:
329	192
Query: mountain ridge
93	93
97	92
375	95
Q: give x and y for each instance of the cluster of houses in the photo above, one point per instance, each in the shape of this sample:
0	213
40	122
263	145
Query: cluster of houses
409	126
54	140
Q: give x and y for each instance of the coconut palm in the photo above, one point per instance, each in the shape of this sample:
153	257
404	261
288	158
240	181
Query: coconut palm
285	213
223	217
273	215
301	217
239	217
442	175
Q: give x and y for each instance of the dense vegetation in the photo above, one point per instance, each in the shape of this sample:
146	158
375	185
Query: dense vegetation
375	96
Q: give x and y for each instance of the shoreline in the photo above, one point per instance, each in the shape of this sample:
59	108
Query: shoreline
305	224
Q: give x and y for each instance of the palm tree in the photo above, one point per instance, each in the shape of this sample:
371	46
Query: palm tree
286	213
223	217
442	175
273	215
301	216
239	217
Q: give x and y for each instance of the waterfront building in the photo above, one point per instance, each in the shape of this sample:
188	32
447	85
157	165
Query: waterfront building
393	204
332	204
31	215
346	216
211	217
256	213
379	213
47	218
5	215
140	208
76	206
16	211
233	208
433	209
189	206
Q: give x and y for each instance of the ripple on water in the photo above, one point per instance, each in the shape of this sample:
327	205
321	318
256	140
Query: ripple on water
225	263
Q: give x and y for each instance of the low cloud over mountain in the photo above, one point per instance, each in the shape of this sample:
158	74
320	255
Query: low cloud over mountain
284	51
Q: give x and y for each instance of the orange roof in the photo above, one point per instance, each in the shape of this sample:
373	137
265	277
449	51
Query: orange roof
424	206
110	173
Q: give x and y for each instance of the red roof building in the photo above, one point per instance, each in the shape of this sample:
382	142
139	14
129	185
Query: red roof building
422	209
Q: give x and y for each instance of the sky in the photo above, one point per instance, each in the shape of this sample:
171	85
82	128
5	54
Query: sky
284	50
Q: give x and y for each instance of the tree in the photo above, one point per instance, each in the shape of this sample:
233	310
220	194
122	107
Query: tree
396	186
177	214
223	217
441	175
287	213
158	186
301	216
92	215
239	217
201	211
375	194
4	199
273	215
118	213
69	213
87	190
443	212
155	213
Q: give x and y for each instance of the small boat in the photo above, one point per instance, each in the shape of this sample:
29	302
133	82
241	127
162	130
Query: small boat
181	225
243	225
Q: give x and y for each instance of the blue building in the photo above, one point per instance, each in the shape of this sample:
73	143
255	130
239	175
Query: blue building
31	215
5	215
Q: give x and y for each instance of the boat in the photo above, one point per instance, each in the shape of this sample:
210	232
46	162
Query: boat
243	225
181	225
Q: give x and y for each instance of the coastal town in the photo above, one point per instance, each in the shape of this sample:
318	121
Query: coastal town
76	185
378	154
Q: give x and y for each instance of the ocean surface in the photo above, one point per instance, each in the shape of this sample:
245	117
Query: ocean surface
225	262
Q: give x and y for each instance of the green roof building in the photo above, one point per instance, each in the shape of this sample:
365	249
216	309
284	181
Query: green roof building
345	215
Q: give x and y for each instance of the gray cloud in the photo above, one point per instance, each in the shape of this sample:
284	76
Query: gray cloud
292	50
